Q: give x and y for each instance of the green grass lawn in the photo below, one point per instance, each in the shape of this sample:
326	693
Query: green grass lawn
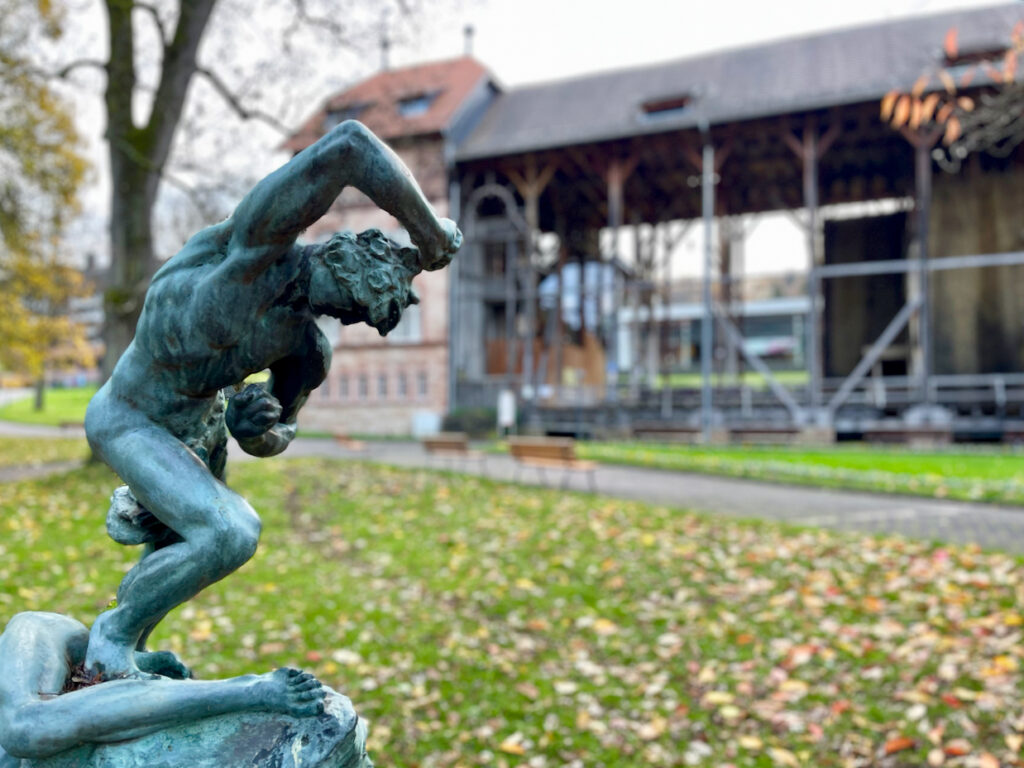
480	624
60	406
751	379
32	451
978	474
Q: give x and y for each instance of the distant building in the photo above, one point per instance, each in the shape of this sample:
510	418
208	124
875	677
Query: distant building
396	384
915	279
572	194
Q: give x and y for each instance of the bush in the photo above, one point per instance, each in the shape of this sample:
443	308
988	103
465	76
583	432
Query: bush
475	422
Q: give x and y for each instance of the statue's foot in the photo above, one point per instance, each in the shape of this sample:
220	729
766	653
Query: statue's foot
163	663
290	692
107	659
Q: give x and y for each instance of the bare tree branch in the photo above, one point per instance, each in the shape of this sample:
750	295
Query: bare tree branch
302	15
157	21
63	72
995	126
71	66
236	105
179	64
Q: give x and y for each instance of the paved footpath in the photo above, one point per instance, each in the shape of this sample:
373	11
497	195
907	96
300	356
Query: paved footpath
991	526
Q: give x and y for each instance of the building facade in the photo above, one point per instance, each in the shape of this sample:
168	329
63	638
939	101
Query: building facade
396	384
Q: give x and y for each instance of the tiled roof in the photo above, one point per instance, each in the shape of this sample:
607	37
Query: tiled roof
782	77
377	102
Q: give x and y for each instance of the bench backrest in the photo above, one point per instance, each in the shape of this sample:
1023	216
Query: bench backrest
447	441
557	448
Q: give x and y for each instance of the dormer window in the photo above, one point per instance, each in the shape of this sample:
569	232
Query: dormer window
414	106
343	113
666	106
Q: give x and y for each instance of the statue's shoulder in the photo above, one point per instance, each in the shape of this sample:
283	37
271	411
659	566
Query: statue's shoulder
205	247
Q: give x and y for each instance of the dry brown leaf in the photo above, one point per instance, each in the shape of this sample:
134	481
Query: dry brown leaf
952	130
899	744
916	110
1010	66
957	748
511	747
947	82
902	111
949	46
888	103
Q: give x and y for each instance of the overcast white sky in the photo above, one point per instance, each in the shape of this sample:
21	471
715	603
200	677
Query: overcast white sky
525	41
531	40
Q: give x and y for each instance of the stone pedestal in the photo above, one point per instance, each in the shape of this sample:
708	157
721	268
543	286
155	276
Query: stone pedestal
335	739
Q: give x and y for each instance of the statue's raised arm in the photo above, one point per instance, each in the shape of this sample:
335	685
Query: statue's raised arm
274	213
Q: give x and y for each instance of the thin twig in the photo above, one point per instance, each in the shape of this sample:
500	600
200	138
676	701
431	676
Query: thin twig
240	109
155	15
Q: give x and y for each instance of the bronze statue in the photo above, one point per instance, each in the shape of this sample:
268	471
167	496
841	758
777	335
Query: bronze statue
240	297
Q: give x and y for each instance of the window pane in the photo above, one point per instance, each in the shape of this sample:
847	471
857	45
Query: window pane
408	329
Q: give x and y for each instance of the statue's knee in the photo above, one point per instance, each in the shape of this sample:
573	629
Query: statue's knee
233	540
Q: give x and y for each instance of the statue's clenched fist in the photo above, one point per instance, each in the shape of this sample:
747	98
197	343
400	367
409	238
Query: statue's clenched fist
252	412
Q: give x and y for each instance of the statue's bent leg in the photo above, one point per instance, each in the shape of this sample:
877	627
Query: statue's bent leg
218	529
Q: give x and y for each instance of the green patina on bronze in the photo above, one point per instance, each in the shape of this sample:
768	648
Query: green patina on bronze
240	297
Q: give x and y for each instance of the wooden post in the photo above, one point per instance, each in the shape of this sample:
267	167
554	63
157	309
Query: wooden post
922	208
706	331
809	151
530	185
511	289
617	173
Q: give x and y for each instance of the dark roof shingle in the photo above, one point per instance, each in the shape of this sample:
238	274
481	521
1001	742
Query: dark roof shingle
841	67
450	81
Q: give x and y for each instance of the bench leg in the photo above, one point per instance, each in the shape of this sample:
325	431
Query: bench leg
543	475
565	480
592	481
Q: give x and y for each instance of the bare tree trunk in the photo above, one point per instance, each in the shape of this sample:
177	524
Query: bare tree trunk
40	393
137	158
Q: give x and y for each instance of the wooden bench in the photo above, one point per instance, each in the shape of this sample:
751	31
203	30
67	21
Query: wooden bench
452	446
543	453
919	436
349	443
764	434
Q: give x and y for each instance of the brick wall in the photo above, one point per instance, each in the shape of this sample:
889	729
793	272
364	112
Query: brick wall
354	399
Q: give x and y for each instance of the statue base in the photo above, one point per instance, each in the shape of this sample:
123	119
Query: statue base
335	739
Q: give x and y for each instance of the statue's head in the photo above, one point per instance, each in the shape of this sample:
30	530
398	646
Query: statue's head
371	277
